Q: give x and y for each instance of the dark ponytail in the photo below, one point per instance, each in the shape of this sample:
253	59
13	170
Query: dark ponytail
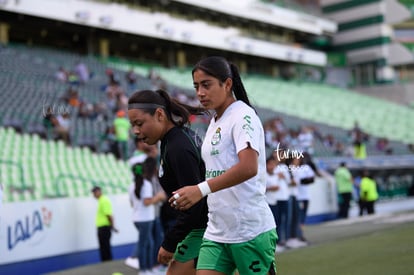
218	67
138	171
141	171
177	112
238	87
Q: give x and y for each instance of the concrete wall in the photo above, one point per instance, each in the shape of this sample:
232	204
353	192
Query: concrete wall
398	93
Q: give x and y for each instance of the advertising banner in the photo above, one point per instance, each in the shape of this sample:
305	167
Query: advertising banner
38	229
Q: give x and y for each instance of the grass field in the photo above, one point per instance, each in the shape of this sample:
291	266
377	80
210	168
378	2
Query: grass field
380	245
383	251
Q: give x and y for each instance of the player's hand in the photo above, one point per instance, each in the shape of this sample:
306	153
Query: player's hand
164	256
185	197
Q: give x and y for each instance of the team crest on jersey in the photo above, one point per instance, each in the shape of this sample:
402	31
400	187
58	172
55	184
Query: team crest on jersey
216	137
161	170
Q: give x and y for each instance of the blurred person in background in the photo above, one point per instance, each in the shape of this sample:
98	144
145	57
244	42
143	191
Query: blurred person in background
105	223
114	92
356	190
131	79
49	122
62	128
345	185
82	71
368	193
277	196
306	176
292	240
306	140
122	127
142	152
301	175
359	141
109	140
61	75
272	186
143	201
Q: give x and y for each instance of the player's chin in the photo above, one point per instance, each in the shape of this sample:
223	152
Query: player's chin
149	141
206	104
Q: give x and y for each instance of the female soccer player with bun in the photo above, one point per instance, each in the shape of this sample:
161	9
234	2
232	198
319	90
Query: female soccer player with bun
155	117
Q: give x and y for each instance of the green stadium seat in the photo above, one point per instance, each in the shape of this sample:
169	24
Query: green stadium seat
52	168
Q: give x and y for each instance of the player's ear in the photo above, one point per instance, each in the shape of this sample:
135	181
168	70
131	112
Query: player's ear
160	114
228	84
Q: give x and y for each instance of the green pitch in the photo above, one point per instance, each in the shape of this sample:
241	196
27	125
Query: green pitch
381	250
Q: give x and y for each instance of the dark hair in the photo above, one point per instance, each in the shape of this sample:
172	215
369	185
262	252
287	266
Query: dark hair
137	171
218	67
141	171
307	159
172	107
150	168
269	159
366	173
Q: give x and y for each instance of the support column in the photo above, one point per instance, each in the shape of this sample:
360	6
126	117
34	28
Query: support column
104	47
181	59
4	33
243	67
274	71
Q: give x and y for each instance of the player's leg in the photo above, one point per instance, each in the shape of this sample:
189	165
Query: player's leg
256	256
186	255
215	259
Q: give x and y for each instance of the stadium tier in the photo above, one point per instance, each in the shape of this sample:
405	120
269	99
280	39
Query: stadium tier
315	103
322	103
29	86
35	168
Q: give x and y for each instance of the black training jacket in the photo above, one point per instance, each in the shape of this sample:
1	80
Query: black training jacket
181	165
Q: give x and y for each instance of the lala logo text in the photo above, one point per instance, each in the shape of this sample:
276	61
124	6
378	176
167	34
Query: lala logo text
26	228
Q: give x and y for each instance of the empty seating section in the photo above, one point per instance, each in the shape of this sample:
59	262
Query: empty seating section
336	107
32	168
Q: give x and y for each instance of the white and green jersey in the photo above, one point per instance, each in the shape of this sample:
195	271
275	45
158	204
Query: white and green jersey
239	213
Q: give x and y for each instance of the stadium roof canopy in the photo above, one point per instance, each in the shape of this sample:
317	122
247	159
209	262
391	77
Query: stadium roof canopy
121	18
270	14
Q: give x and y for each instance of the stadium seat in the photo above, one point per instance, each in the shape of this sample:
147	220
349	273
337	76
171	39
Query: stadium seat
52	169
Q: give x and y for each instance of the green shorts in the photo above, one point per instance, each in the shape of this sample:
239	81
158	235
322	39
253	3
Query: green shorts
189	248
254	257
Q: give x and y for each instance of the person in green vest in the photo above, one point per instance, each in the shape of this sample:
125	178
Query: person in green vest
104	223
368	194
360	150
345	185
122	126
359	142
